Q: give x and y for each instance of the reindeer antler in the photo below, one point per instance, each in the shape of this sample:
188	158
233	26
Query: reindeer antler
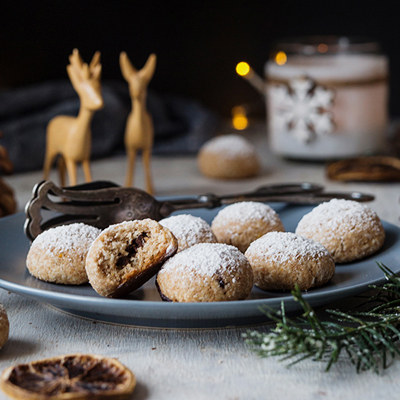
91	71
128	69
148	69
76	70
95	66
79	71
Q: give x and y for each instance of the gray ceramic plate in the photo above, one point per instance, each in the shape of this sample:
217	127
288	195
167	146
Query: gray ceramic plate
144	307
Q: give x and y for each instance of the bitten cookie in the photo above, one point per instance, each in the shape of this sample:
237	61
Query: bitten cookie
206	272
58	254
126	255
280	260
228	157
4	326
241	223
348	229
189	230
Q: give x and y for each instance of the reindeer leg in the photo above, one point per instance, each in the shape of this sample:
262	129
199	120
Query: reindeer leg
47	165
71	168
86	170
61	169
130	169
147	170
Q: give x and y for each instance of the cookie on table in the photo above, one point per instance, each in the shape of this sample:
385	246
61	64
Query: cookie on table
228	157
239	224
348	229
189	230
281	260
206	272
126	255
58	254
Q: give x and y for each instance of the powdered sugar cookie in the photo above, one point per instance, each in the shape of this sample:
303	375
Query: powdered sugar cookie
58	254
241	223
228	157
189	230
126	255
348	229
206	272
280	260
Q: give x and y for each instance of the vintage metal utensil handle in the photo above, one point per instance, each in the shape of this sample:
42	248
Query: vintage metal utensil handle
103	203
263	193
212	201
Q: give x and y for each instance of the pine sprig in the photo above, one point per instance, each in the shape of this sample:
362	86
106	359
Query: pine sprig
368	337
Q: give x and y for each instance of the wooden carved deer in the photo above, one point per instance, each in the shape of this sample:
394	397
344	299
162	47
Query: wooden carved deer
139	131
70	137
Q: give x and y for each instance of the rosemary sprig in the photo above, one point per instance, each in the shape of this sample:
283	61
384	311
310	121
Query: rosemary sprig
368	337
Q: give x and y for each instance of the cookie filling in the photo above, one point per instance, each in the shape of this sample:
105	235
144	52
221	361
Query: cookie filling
131	250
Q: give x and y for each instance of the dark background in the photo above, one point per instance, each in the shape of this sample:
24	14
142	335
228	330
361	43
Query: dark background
198	44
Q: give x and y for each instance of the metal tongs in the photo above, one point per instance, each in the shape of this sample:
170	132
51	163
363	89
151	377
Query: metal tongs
103	203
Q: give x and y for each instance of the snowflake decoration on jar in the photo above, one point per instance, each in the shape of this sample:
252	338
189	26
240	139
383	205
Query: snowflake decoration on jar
303	108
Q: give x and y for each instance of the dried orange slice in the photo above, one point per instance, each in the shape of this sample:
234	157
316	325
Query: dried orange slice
371	168
74	376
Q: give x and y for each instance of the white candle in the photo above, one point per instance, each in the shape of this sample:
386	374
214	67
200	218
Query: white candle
322	106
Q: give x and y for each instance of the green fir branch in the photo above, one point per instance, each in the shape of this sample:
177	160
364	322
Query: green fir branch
368	337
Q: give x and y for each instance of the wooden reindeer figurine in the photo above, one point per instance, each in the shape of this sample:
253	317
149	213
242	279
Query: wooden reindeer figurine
139	131
70	137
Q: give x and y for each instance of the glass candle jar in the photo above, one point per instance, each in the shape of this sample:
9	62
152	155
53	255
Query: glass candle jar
326	97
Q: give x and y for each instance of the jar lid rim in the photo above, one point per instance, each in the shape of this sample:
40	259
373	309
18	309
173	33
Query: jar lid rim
328	44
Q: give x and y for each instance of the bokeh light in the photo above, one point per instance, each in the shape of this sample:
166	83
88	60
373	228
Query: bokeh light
281	58
243	68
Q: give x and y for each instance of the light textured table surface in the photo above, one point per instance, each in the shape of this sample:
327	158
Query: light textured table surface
194	364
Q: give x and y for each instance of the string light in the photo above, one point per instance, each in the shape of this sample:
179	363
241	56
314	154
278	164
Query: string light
242	68
281	58
239	118
322	48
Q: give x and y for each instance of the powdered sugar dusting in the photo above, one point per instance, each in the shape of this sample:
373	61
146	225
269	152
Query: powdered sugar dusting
338	214
66	237
247	211
285	246
189	230
205	259
230	146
